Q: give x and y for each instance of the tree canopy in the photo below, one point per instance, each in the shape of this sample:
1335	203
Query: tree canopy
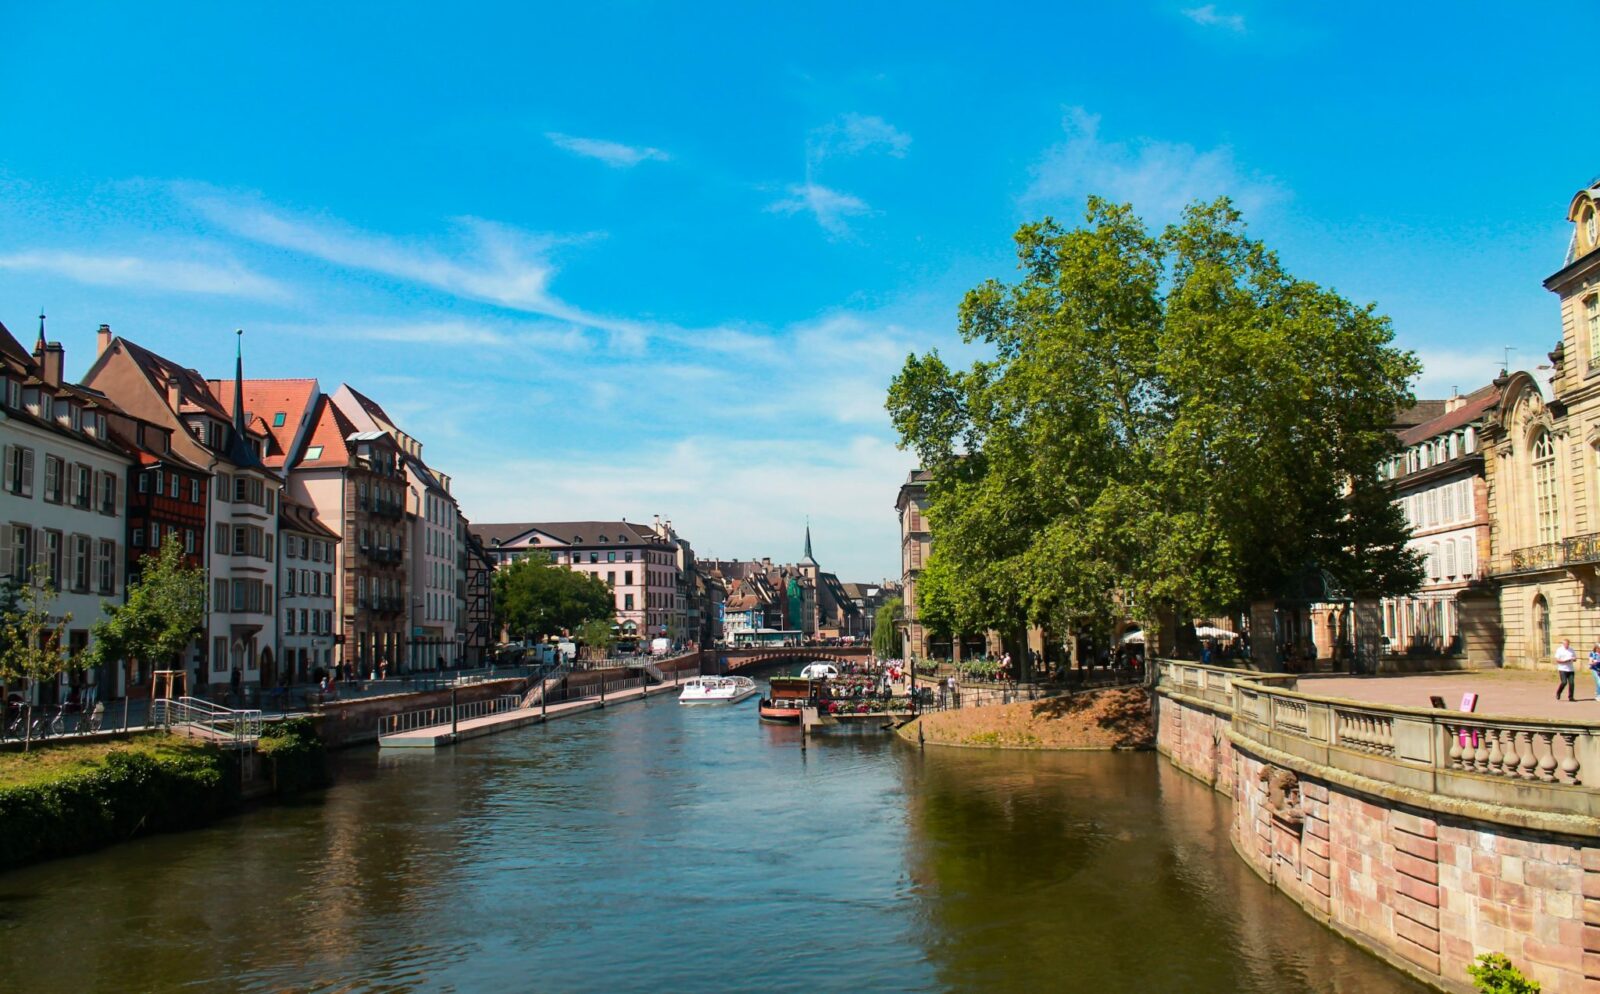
534	597
32	635
1159	419
164	612
885	629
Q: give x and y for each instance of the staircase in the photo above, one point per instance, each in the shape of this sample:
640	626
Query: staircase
202	719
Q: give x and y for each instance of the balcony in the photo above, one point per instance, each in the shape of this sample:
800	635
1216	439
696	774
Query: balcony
1578	550
388	508
384	554
388	605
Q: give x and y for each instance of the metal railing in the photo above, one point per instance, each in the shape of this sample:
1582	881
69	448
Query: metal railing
236	728
436	717
1572	551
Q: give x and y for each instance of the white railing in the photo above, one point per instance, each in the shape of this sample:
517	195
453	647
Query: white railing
438	717
240	729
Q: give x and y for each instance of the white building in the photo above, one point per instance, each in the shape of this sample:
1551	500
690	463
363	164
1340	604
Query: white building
61	502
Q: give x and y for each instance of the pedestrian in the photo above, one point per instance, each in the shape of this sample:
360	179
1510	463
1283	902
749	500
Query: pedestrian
1564	659
1594	668
235	682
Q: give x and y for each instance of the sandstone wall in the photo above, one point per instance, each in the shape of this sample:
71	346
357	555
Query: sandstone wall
1427	891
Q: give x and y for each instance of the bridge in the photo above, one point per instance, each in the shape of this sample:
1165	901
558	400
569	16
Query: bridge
734	660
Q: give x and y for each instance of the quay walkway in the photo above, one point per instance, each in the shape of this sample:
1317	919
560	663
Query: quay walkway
442	728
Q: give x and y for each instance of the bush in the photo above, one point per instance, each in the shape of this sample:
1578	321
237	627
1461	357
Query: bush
130	792
1494	974
296	754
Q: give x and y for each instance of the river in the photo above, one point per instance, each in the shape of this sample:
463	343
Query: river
653	847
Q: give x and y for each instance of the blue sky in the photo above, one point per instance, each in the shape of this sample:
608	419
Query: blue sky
618	260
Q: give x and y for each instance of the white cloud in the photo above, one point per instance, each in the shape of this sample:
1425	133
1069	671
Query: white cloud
613	154
829	207
1159	178
497	263
1210	17
758	505
223	278
853	134
1447	370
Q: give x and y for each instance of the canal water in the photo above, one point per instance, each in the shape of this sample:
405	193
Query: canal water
654	847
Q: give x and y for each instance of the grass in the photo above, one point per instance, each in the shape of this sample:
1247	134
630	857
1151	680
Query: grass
49	760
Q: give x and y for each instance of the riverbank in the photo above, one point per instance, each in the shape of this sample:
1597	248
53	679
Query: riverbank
66	798
1096	720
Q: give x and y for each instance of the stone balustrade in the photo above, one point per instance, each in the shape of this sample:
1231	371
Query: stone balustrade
1528	764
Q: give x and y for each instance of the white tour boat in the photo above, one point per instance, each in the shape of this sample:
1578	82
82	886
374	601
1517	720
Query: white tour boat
717	690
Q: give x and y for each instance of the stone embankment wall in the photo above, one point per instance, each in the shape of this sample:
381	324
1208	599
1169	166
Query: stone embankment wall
1426	882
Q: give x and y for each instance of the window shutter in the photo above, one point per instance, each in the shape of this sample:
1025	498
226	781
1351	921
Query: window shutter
27	472
7	563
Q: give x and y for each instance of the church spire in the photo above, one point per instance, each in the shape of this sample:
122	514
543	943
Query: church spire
809	559
238	383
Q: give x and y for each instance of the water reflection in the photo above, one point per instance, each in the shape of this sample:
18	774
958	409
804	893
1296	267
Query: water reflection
655	848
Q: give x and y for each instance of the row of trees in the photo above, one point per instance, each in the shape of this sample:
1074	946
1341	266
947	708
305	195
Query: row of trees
1161	422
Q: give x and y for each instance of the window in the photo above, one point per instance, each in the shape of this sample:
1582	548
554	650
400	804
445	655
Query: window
1547	510
611	557
172	486
155	536
80	562
288	621
219	652
16	550
288	584
627	602
188	541
1449	559
1591	321
594	557
52	558
313	453
224	488
106	566
1466	557
194	491
144	483
18	469
627	557
138	538
82	486
160	482
219	600
108	494
611	578
1591	227
53	471
277	420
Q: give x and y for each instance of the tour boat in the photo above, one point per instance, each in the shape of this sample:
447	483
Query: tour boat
717	690
790	694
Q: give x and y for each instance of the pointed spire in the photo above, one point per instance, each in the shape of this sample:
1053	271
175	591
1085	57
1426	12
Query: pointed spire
809	560
38	350
238	383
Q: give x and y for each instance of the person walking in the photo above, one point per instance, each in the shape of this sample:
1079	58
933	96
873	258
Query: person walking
1594	668
1564	660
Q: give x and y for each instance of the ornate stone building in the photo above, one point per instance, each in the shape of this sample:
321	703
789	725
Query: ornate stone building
1544	469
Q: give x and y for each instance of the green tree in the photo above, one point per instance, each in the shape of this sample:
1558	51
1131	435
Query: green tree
164	612
32	635
1159	421
595	635
886	630
535	597
1494	974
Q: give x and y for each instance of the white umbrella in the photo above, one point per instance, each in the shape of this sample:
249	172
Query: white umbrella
1134	636
1208	632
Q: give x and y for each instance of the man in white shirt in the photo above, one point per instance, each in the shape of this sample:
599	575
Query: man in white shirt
1564	660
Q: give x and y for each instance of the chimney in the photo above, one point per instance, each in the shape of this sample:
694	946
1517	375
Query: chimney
102	340
54	358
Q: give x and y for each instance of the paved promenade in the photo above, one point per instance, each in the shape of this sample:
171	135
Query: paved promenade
435	736
1500	692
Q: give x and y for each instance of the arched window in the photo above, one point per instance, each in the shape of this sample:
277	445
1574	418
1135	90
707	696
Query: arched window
1541	627
1547	509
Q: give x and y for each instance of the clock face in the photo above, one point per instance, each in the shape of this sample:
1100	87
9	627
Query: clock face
1589	226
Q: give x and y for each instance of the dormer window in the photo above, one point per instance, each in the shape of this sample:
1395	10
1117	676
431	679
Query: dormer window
1591	226
13	394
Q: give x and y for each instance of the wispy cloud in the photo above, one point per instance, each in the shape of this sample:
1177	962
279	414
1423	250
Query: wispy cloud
614	154
223	278
829	207
495	263
1158	177
854	134
1210	17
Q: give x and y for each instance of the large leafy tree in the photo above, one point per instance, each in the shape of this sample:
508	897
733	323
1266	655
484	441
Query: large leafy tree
1160	421
535	597
885	629
161	618
32	635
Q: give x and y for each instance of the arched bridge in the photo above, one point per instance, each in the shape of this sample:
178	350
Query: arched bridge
738	659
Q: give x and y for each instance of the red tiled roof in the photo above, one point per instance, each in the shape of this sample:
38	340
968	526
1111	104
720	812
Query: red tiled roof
329	429
1472	407
265	400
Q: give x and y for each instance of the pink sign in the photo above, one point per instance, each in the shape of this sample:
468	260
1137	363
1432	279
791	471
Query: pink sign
1469	704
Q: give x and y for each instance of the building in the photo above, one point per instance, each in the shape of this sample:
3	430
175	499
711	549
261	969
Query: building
167	502
435	568
242	513
640	563
61	492
915	541
1543	468
478	609
308	561
1438	478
